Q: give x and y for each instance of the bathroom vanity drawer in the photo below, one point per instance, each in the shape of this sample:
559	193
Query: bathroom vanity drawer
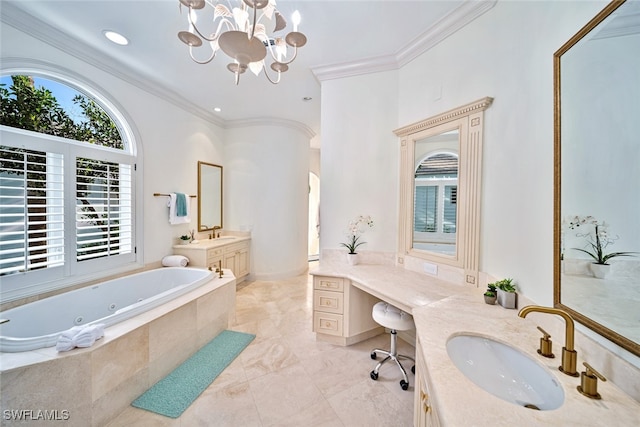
328	283
327	323
214	253
330	302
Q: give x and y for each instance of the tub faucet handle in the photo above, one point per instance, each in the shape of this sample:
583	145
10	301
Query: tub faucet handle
3	321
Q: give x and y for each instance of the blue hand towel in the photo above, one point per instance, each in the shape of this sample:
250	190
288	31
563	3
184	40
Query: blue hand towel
181	204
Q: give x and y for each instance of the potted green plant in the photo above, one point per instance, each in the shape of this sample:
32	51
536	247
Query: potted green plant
185	238
506	292
490	294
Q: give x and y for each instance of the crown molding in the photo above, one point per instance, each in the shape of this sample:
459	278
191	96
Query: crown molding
443	28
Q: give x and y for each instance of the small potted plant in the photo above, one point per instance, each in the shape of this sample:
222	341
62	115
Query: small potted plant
356	228
185	238
506	291
490	294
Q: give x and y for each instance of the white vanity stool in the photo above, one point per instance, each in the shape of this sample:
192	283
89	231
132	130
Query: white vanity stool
396	320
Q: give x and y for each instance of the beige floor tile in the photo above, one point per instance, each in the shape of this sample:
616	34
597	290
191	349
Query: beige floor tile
287	378
283	394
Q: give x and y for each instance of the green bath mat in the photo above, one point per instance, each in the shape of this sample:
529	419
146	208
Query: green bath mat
173	394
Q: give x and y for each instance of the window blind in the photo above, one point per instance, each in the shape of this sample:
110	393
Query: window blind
103	209
31	210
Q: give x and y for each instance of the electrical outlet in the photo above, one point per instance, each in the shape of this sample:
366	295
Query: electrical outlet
430	268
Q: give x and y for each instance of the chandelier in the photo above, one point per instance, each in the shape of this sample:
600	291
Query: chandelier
241	33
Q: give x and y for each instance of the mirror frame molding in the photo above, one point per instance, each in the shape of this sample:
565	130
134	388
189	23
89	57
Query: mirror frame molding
200	164
607	333
471	123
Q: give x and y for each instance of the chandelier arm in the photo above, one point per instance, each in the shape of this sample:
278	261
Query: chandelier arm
253	25
213	55
266	74
295	55
216	34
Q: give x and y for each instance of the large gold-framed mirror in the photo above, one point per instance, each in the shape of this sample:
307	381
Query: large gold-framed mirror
440	190
209	196
597	174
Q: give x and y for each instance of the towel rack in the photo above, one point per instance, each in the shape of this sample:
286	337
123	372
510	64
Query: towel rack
168	195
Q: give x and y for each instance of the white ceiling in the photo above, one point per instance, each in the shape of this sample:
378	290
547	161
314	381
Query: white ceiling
342	35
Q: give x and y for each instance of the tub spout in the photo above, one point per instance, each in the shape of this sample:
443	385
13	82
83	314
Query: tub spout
569	354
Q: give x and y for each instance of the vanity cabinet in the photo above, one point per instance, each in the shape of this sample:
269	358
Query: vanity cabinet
236	258
425	414
342	312
211	253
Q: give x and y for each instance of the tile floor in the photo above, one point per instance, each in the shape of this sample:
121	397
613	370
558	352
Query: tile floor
287	378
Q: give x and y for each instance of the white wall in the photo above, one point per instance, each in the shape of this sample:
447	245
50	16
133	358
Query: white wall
359	159
507	54
267	192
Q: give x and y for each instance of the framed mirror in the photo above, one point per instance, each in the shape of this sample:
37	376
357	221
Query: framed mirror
209	196
440	184
597	178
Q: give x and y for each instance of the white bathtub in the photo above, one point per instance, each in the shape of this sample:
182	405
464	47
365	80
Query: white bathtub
38	324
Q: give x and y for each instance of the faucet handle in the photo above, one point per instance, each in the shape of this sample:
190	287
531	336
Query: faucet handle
589	382
545	345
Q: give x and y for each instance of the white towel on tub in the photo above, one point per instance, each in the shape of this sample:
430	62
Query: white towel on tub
175	261
80	336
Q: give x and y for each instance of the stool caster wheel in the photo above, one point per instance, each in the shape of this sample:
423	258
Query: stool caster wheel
374	375
413	369
403	384
374	355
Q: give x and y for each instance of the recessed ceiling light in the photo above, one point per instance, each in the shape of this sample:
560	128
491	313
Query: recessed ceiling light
217	109
116	38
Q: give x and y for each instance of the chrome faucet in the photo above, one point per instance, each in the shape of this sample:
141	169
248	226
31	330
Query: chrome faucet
569	354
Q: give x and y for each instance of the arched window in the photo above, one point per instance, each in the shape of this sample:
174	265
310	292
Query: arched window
67	178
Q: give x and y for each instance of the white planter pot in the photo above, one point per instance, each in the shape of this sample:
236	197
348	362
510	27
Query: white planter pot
507	299
600	271
353	259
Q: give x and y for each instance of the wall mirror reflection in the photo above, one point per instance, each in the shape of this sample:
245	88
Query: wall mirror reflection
436	193
209	196
597	196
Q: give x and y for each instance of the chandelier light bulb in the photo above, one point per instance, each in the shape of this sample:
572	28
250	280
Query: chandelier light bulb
296	20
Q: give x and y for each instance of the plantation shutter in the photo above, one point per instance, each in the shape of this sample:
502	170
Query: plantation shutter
31	210
426	208
104	222
450	208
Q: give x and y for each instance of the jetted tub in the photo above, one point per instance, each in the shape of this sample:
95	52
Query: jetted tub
39	324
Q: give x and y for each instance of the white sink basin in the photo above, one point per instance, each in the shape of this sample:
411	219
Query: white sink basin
505	372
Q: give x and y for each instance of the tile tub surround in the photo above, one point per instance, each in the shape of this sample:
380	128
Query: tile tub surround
96	382
441	308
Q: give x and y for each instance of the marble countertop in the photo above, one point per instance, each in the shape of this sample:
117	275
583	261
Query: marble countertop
441	309
211	243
